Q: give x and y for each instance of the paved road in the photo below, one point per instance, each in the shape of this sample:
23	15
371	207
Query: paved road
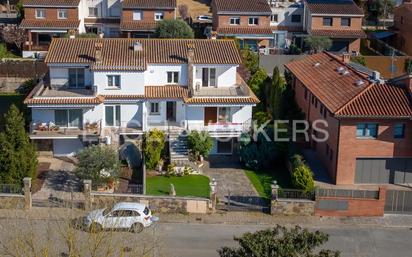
202	240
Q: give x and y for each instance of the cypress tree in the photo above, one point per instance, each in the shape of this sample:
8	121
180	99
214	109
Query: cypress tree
17	154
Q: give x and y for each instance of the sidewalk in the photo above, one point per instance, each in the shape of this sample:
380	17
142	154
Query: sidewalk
229	218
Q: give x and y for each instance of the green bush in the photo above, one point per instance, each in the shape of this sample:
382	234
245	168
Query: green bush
199	143
154	142
302	176
27	87
257	154
261	117
98	163
174	29
4	53
360	59
256	82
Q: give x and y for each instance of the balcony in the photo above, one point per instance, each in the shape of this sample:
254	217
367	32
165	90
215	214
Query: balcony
229	129
42	130
240	89
44	89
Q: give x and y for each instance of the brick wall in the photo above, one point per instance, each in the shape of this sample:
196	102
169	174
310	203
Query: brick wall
403	22
355	24
356	207
385	145
147	15
224	21
51	13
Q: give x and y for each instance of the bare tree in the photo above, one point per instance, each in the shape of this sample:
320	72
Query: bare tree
183	11
12	34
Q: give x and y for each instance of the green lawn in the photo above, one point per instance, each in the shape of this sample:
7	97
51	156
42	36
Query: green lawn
262	180
192	185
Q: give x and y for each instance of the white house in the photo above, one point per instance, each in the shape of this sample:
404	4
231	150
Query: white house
102	90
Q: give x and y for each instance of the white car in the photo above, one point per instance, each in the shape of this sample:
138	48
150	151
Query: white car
204	18
125	215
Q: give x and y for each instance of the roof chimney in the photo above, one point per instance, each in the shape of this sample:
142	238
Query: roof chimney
98	55
345	57
190	57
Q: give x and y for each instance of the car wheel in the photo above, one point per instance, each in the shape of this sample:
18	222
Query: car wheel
137	228
95	227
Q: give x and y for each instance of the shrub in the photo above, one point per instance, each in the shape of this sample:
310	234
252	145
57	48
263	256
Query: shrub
318	43
258	154
302	176
359	59
200	143
261	117
256	82
99	163
27	87
154	142
174	29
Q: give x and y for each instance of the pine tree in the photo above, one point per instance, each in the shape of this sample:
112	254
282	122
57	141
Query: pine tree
274	94
17	154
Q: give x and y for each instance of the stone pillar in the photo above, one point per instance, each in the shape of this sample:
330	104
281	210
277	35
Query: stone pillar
275	196
87	190
213	193
27	193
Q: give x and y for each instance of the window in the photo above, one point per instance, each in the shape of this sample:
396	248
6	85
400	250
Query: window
62	14
223	115
368	130
93	12
253	21
274	18
296	18
158	16
72	118
114	32
76	77
345	22
172	77
209	77
113	81
154	108
234	21
137	15
40	14
327	22
112	115
399	130
306	93
321	109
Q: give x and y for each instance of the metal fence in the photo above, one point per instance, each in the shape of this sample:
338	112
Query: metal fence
347	193
10	189
398	201
296	194
134	189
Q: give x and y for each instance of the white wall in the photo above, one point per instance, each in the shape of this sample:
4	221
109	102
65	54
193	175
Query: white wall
93	114
47	115
66	147
130	83
156	74
226	74
60	75
285	14
195	117
106	8
156	119
131	115
241	114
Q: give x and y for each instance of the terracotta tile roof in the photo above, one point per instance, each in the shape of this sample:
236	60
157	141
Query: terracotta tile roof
138	25
63	100
222	100
49	24
150	4
319	74
166	92
117	97
335	33
244	31
118	54
51	2
344	7
102	20
242	6
379	100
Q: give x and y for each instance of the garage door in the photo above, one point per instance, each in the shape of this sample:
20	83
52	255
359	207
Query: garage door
383	170
66	147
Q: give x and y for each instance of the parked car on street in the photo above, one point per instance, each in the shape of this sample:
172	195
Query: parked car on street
125	215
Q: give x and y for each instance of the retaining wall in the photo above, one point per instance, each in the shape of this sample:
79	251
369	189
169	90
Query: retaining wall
292	207
12	201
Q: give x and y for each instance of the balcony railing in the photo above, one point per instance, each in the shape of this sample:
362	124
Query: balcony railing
42	129
226	127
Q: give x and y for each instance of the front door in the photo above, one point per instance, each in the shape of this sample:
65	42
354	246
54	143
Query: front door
210	115
171	111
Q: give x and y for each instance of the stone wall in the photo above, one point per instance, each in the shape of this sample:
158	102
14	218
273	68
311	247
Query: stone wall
12	201
11	84
159	204
292	207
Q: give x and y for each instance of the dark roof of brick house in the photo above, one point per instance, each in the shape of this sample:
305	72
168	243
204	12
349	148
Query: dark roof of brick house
242	6
138	25
334	7
149	4
118	53
244	31
56	3
340	93
49	24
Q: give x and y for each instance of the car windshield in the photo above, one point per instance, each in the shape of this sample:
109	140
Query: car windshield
146	211
106	211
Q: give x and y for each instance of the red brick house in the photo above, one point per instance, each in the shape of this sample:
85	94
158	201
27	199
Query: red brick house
340	20
139	17
248	21
369	121
403	25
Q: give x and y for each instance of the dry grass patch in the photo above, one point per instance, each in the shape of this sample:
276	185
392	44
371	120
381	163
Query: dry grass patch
197	7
